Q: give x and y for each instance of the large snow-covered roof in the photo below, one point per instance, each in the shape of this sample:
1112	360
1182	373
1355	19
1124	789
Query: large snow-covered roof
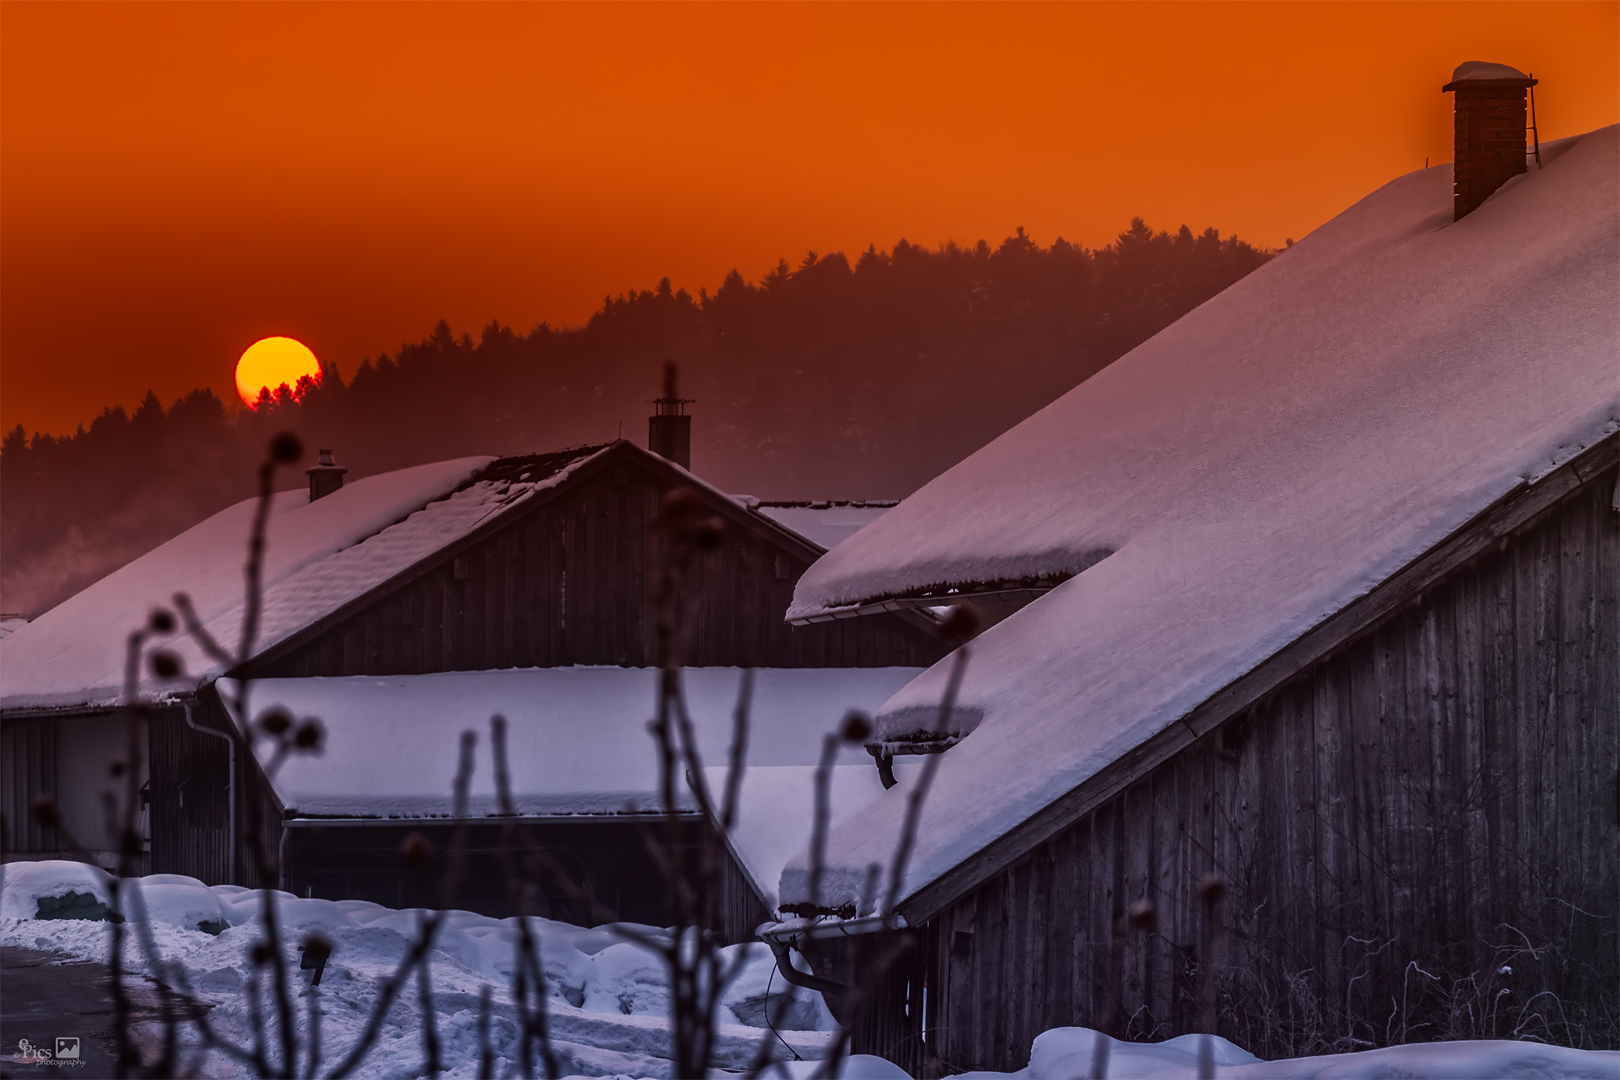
577	737
1254	468
776	809
319	556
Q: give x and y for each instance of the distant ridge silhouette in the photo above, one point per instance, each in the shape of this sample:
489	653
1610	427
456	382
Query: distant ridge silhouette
825	380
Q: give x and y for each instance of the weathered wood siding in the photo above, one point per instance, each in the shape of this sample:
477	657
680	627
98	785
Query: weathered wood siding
190	799
606	858
572	581
27	773
1427	808
189	795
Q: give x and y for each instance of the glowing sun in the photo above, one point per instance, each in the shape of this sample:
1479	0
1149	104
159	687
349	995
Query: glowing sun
272	362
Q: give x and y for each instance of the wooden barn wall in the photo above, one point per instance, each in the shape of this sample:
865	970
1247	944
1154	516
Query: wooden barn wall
190	800
607	859
1414	825
190	813
573	582
28	747
741	909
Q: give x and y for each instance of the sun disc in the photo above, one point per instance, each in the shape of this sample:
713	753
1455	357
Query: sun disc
272	361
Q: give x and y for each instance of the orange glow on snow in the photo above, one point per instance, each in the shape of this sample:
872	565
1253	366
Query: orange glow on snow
272	362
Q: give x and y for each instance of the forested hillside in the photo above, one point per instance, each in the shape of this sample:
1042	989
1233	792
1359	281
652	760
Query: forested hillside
832	379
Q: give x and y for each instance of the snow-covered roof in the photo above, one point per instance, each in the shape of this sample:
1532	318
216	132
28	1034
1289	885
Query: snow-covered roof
319	556
776	810
1485	71
577	737
825	523
1253	468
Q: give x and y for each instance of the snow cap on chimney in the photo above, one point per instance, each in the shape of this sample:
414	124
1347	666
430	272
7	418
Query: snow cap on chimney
325	476
1489	130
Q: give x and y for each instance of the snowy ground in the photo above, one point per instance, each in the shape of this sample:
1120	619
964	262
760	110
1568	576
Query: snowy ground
609	1008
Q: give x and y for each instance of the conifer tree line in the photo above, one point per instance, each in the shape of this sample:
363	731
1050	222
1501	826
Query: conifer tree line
831	379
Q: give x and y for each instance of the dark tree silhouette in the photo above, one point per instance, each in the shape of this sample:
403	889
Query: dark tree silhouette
825	380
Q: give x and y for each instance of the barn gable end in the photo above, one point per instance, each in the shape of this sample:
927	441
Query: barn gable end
569	580
1420	811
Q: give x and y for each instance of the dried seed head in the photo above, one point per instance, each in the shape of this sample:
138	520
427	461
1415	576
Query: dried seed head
317	946
286	448
165	665
161	622
46	812
856	728
1144	916
1212	889
680	505
117	768
960	624
310	735
709	533
275	721
416	851
260	954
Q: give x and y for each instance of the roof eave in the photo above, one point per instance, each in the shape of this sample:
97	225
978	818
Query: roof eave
1496	522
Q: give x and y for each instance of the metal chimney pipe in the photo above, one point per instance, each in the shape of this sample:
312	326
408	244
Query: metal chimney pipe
669	429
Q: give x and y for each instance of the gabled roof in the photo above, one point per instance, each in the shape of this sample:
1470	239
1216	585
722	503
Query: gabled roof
577	737
1252	470
319	556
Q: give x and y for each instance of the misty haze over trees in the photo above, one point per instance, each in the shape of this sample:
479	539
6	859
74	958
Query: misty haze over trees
825	380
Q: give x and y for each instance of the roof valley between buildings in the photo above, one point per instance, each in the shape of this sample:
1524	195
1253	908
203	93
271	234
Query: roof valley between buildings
1255	467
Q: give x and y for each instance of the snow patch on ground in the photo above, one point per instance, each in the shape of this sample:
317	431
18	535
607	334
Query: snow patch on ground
1064	1053
608	1003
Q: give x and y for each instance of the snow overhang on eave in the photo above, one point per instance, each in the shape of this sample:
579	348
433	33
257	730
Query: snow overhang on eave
934	602
796	931
301	820
100	706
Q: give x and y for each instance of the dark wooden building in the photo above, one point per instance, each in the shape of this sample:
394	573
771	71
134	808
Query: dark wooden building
543	561
1414	808
1317	592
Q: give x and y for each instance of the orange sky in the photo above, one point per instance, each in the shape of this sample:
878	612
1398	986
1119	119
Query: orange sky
177	181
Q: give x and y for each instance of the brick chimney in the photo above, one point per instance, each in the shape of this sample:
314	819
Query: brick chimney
669	429
1489	130
325	476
